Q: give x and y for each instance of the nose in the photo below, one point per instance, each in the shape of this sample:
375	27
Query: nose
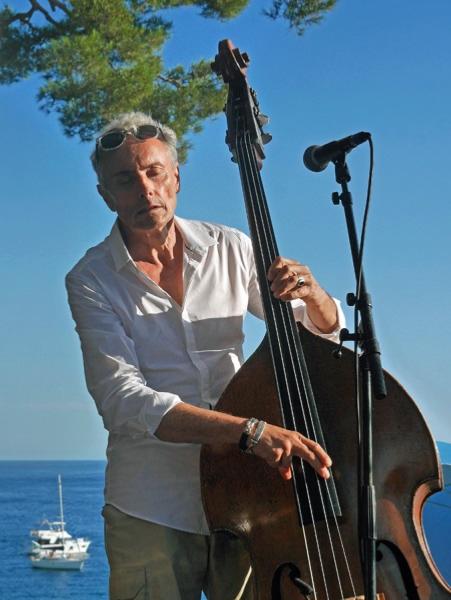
146	188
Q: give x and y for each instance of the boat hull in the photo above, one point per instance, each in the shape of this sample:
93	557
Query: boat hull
57	564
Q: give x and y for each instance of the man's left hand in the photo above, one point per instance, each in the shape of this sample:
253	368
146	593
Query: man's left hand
290	280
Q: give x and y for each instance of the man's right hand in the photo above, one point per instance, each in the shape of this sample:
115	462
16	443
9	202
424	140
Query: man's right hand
278	446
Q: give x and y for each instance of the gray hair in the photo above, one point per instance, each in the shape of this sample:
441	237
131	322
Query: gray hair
131	120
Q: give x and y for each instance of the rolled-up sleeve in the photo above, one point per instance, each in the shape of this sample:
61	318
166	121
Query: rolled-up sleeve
128	406
301	315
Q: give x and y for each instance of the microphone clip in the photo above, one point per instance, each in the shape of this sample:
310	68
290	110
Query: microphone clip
346	336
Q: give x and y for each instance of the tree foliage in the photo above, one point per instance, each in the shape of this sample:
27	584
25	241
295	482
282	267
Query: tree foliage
98	58
300	14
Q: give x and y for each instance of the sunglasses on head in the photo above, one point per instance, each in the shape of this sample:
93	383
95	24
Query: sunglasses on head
115	139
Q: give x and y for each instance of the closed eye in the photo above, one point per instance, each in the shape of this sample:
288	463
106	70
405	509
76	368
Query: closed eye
157	173
123	178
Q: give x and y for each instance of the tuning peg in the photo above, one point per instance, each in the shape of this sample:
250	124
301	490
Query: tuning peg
242	58
266	137
262	119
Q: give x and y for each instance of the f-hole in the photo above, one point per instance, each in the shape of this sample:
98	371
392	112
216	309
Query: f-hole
294	574
404	569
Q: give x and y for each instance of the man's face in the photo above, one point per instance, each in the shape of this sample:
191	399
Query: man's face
140	181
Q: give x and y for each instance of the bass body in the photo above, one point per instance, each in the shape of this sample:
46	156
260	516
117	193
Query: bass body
243	495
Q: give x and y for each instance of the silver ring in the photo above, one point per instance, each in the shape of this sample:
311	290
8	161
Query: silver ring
300	281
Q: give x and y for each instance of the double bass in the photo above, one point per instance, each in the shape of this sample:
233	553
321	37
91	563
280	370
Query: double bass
302	535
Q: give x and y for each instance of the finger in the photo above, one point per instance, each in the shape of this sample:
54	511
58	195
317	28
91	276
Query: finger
278	264
317	450
286	461
289	273
301	293
319	468
295	285
324	473
316	456
285	473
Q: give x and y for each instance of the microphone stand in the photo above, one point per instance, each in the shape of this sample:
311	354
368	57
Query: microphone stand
372	382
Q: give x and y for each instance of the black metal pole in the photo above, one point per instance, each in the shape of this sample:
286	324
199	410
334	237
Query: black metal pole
368	493
372	383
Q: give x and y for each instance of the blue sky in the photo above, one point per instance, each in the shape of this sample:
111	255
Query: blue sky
381	67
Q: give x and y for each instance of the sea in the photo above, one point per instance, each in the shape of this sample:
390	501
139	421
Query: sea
29	494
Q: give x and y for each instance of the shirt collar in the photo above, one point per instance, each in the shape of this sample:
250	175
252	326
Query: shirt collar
196	236
118	249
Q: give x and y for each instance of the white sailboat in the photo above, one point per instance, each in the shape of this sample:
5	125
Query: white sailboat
53	547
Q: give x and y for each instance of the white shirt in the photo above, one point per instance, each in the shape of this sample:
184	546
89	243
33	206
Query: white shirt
143	354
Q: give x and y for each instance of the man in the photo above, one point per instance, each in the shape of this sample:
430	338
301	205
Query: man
159	307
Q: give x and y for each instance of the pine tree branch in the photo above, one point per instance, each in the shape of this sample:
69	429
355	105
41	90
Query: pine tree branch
25	17
35	4
175	82
54	4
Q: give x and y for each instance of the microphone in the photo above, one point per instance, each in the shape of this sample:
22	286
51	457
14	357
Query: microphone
316	158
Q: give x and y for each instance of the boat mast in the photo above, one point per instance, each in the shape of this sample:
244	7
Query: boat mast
60	491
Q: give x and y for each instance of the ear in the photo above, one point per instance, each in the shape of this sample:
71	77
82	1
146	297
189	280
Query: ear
177	176
107	196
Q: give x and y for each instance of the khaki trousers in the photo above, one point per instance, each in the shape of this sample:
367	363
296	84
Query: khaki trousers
153	562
